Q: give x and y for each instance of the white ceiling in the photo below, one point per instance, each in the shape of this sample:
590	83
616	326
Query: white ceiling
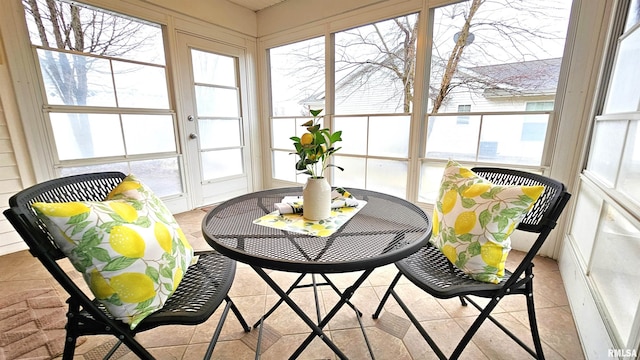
255	5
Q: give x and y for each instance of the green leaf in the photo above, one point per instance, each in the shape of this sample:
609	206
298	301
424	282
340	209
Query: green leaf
315	113
75	219
474	248
152	273
468	203
145	304
165	271
119	263
484	218
99	253
295	138
80	227
465	238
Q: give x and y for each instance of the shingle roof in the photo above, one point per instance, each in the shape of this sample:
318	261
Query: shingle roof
527	77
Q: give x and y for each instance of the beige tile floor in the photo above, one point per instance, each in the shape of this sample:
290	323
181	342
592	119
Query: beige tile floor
392	336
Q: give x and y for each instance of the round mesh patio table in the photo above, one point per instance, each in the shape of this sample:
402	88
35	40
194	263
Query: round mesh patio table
383	231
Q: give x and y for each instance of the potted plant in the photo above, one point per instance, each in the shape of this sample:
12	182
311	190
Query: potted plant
314	149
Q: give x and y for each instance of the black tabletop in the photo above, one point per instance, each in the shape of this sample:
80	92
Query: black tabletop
385	230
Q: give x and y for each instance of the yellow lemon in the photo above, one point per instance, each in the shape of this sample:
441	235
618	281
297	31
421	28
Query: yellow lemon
125	186
325	232
492	254
133	287
449	201
450	252
476	189
62	209
436	223
183	239
306	139
163	236
466	173
465	222
177	277
533	192
126	241
127	212
99	285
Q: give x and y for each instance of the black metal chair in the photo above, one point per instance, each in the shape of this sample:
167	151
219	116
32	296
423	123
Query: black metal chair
204	287
431	271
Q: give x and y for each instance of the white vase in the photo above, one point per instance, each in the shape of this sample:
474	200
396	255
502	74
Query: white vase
316	199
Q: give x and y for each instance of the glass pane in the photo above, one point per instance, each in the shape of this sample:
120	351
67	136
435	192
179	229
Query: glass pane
213	69
513	139
140	86
76	79
219	133
123	167
585	221
161	175
448	139
389	136
387	176
282	130
284	166
221	163
353	174
606	149
614	269
509	51
354	134
623	95
430	178
103	33
137	138
219	102
629	181
83	136
297	77
375	67
634	14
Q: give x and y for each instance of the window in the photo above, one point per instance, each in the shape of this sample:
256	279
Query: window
609	196
539	106
373	93
297	85
496	56
105	83
463	120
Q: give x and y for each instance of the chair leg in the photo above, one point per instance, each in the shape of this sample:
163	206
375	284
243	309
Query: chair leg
385	297
238	315
533	323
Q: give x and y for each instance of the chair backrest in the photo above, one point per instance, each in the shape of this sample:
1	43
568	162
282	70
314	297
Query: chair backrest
544	214
545	211
85	187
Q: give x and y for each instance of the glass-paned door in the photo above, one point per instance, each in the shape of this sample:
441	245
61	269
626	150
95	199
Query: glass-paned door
215	129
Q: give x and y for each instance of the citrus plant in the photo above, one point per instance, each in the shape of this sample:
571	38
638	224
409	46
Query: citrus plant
315	147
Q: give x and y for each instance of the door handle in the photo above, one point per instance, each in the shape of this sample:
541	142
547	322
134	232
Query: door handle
193	136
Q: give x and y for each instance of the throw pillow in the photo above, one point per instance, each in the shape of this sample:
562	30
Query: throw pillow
130	251
473	218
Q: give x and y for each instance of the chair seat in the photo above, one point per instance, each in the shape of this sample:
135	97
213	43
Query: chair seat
430	270
203	288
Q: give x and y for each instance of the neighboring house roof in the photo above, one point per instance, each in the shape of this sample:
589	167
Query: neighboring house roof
537	77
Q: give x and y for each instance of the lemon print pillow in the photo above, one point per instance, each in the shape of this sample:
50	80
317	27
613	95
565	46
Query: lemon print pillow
130	250
473	219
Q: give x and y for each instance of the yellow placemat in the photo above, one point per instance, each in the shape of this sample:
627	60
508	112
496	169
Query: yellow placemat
298	224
